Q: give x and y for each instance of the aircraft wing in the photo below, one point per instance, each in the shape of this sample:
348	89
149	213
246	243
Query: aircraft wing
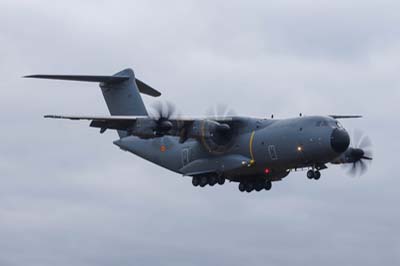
126	122
103	122
129	118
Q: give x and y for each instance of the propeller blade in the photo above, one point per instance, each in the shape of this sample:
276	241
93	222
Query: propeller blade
357	134
163	110
156	111
353	169
223	128
170	109
161	113
360	154
365	142
219	111
368	155
363	167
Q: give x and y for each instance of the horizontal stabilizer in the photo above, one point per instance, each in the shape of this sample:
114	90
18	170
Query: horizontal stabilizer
143	87
146	89
103	118
105	79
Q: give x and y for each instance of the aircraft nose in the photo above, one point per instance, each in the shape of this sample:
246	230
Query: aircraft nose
340	140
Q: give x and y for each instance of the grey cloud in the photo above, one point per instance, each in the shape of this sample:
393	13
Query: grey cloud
69	196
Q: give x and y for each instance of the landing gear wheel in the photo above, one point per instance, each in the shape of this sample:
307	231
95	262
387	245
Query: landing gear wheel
212	181
203	181
221	180
310	174
195	181
317	175
258	187
242	187
249	187
268	185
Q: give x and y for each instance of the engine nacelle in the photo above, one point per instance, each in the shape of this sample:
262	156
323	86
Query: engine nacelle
216	137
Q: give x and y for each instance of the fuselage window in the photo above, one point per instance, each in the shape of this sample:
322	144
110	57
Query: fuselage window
322	124
185	156
272	152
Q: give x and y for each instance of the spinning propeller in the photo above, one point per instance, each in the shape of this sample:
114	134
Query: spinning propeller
360	155
221	112
218	129
161	115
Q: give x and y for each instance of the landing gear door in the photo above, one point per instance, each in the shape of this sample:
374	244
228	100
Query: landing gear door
185	156
272	152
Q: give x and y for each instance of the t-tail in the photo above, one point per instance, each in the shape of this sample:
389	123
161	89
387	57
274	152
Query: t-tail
121	92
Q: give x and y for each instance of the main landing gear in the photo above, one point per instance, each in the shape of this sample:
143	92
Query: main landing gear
311	174
257	186
203	181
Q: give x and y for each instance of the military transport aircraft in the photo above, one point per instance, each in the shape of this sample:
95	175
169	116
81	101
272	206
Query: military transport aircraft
251	151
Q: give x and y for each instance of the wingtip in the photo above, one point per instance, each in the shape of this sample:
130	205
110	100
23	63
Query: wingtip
345	116
51	116
32	76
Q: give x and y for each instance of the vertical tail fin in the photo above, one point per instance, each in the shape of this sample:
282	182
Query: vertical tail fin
123	97
121	91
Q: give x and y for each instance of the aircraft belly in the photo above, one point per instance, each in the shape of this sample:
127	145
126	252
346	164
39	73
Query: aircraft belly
163	151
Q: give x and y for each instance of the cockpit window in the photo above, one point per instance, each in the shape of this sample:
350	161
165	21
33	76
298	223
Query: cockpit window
322	124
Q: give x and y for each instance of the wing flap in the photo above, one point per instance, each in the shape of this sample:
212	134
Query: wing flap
103	122
113	124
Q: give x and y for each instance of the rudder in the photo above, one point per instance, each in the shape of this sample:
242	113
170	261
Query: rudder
123	98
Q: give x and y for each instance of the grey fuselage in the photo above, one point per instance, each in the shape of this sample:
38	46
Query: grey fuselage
277	145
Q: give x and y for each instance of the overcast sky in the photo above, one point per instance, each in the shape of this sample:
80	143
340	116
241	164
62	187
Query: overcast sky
68	196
